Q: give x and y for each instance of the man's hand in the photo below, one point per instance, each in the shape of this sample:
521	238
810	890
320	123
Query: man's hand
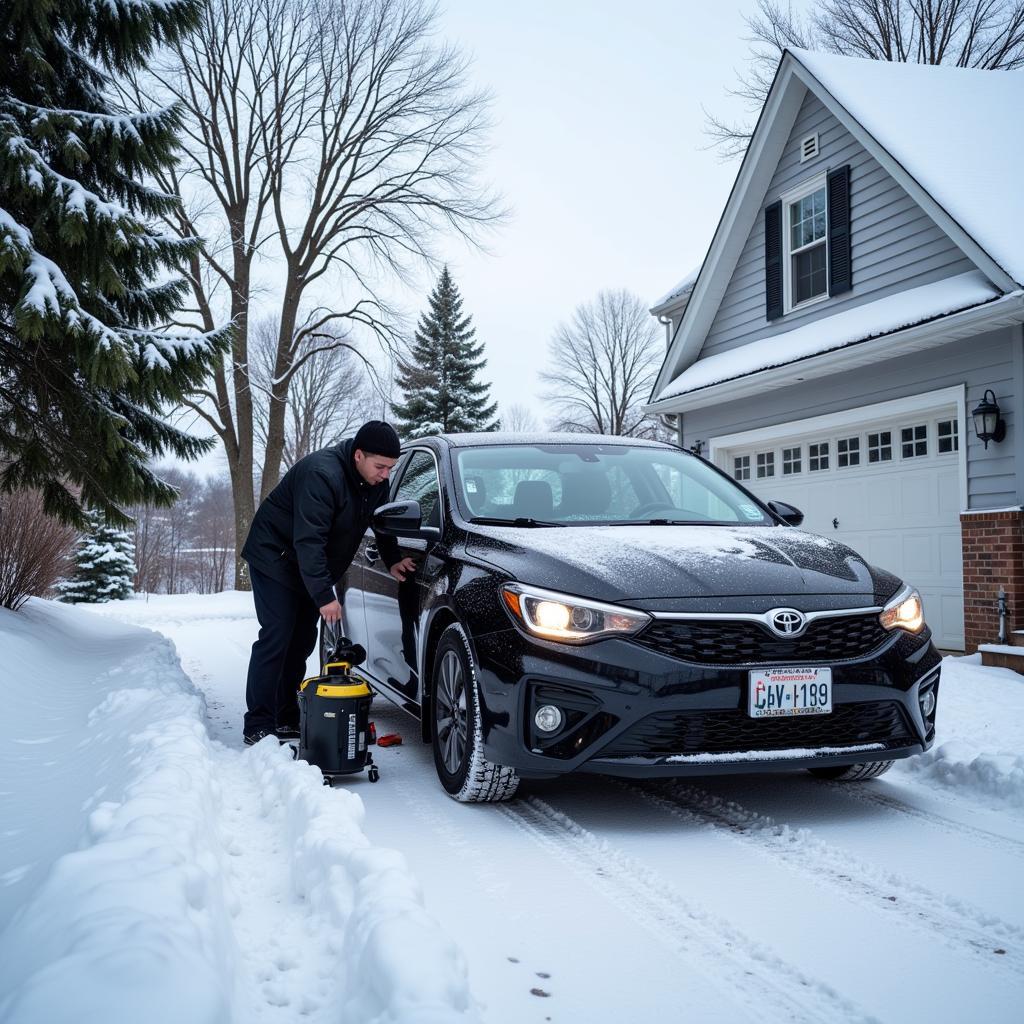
400	569
331	612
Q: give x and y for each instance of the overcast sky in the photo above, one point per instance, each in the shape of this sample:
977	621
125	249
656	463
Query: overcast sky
600	152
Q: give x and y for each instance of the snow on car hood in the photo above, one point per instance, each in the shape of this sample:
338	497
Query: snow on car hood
651	563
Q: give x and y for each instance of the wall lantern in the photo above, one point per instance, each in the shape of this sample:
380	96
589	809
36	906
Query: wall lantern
988	424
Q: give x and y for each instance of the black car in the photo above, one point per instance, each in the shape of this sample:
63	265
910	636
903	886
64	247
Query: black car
618	606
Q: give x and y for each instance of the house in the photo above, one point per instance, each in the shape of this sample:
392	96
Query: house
861	297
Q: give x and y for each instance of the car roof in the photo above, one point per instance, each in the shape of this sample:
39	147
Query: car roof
497	437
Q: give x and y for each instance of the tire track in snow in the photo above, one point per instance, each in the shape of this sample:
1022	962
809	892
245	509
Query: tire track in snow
763	983
958	925
1006	844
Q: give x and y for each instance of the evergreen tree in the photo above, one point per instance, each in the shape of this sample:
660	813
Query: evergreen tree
104	564
87	285
439	376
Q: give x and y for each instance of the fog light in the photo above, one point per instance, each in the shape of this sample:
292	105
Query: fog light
548	718
927	703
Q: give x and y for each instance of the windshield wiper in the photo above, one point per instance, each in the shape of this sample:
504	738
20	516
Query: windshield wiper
519	521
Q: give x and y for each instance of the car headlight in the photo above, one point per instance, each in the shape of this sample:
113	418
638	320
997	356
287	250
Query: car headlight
571	620
904	611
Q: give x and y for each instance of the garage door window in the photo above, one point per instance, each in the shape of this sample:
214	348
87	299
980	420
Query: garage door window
848	452
914	441
765	465
791	461
741	467
880	446
949	436
817	456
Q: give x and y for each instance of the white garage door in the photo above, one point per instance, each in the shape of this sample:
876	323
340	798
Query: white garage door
888	487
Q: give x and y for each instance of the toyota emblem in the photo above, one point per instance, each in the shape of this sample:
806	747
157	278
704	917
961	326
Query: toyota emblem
788	621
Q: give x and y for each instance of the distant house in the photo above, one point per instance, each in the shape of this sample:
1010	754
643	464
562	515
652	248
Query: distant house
860	298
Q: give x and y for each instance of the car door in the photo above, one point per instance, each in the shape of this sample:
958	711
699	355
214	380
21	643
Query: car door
392	609
350	587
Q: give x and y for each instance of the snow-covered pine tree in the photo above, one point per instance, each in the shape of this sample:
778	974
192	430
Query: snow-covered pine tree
87	285
439	375
104	564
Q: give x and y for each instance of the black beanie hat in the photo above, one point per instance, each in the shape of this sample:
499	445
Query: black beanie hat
376	437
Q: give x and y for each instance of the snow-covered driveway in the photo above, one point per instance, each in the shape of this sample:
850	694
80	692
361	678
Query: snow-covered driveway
777	898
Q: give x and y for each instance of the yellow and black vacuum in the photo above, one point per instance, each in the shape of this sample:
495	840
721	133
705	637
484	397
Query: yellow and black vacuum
334	713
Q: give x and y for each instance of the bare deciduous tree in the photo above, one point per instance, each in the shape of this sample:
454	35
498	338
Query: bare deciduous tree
518	419
607	358
967	33
336	136
329	397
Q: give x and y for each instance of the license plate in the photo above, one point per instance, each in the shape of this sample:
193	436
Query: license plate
781	692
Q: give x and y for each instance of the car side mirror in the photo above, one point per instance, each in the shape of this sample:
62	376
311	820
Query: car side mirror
789	515
403	519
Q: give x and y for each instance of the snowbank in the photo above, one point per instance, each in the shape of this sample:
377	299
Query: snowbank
108	752
979	749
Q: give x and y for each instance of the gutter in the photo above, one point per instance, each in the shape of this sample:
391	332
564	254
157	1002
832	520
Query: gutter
1000	312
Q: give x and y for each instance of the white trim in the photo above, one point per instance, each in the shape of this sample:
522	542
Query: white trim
991	511
928	401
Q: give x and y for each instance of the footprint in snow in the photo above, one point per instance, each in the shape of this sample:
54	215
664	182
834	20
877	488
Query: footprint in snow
539	992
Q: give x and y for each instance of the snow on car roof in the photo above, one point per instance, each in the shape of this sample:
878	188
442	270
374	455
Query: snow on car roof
497	437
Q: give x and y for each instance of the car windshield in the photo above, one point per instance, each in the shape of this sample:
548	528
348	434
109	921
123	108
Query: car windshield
595	484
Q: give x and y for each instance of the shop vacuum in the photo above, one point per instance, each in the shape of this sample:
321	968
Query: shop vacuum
335	732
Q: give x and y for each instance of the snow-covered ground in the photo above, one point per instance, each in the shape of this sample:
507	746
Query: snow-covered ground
152	869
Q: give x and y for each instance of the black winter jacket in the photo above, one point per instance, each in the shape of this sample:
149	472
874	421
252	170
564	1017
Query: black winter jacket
307	530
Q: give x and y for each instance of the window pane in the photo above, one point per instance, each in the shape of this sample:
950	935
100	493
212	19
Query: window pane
419	483
817	456
949	439
880	446
914	441
765	464
791	461
809	277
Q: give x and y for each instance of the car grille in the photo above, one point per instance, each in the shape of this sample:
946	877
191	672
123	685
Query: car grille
731	732
736	642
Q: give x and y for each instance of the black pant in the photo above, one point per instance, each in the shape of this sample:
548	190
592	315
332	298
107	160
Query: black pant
288	623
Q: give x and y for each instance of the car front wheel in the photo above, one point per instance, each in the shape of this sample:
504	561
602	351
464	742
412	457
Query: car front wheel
853	772
464	772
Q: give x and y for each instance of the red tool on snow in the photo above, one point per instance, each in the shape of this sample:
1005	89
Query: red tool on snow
392	739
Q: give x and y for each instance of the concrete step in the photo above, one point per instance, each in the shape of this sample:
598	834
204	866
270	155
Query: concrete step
1009	656
1017	638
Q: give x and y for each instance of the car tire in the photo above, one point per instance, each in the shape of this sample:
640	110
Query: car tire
853	772
457	733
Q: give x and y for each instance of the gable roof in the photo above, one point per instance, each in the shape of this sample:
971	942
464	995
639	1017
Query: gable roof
956	130
911	107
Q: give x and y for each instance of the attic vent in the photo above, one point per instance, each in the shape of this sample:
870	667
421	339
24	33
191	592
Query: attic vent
809	147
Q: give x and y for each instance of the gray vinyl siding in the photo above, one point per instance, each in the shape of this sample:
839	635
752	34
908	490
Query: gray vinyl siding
895	245
990	360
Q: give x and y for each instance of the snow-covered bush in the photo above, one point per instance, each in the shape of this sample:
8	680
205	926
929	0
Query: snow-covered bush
34	549
104	564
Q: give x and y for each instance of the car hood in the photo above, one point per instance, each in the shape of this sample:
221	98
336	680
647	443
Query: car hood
657	567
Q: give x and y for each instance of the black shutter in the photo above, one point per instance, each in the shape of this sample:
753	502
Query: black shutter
773	261
840	269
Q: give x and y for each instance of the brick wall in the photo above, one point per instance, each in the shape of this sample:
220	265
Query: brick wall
993	546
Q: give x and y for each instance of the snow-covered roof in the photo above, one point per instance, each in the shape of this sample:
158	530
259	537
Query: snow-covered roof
957	131
861	323
682	289
504	437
